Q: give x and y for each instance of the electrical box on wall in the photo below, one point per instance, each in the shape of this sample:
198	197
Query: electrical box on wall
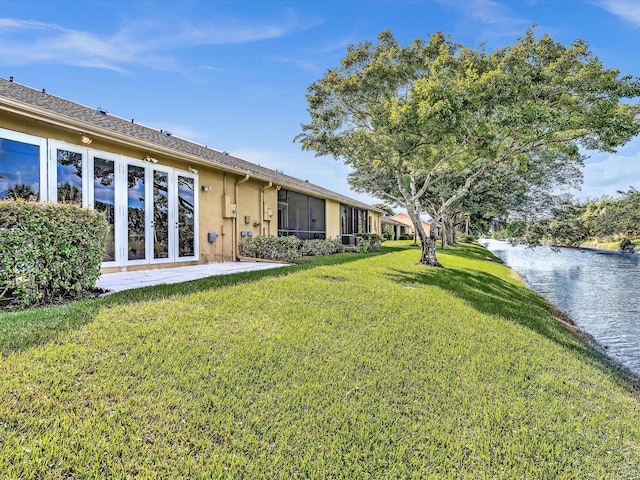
268	214
247	219
212	236
229	209
223	230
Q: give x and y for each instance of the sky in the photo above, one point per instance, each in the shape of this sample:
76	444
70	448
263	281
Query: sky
233	75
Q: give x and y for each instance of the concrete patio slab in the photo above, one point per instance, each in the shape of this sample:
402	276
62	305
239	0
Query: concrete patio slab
116	282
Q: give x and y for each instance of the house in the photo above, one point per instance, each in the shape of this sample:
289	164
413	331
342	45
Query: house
406	228
168	201
398	229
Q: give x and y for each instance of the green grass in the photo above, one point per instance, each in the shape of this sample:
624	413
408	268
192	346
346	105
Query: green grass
371	368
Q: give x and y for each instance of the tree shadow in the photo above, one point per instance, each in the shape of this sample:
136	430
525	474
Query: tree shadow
471	251
492	295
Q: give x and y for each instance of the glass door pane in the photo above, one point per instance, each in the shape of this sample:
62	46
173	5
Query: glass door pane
19	170
136	227
160	222
186	218
104	201
69	175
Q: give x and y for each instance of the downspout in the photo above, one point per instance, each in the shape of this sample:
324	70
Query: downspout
236	232
261	208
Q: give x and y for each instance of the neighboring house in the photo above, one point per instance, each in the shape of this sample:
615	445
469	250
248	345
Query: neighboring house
405	220
399	229
167	200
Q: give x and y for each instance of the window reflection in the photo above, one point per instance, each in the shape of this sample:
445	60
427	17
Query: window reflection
160	214
69	169
104	195
186	220
135	212
19	170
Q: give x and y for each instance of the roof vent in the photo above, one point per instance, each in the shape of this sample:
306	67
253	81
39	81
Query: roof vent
166	133
225	153
11	79
101	111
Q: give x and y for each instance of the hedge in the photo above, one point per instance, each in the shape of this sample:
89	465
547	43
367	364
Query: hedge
287	249
48	252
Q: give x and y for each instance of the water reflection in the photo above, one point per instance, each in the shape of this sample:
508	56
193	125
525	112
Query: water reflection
598	290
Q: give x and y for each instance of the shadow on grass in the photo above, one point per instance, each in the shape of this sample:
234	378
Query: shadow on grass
471	251
492	295
24	329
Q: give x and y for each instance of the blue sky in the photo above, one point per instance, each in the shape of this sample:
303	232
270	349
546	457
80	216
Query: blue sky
233	74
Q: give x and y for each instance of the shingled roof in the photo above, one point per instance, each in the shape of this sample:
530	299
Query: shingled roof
84	118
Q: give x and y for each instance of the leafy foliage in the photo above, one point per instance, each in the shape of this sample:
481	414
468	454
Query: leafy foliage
574	223
287	249
283	249
371	242
402	116
317	247
48	252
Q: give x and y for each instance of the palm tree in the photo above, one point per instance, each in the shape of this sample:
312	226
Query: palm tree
21	191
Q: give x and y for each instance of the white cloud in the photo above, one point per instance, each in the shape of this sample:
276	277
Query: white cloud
628	10
491	13
147	43
606	173
302	64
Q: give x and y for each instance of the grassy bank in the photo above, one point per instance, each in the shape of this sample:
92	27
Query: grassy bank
372	368
613	246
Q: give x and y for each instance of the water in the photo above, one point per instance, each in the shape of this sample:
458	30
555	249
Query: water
600	291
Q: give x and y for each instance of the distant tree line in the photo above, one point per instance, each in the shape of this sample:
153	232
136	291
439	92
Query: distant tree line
574	223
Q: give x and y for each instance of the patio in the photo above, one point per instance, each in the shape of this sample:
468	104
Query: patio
116	282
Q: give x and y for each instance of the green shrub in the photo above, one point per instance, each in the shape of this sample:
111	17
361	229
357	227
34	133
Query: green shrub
388	232
626	246
282	249
317	247
468	238
372	241
48	252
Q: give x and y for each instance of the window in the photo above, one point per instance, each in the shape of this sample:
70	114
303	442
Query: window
21	166
301	215
354	220
105	200
69	176
151	211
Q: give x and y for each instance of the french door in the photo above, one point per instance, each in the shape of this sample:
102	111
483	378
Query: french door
151	211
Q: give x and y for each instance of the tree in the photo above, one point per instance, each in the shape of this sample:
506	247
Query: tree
388	211
21	191
400	115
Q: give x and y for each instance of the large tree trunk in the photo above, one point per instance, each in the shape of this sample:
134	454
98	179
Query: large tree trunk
449	229
428	256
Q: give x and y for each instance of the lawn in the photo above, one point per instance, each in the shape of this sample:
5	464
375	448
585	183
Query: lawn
369	366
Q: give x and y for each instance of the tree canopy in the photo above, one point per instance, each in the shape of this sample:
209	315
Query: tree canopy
403	115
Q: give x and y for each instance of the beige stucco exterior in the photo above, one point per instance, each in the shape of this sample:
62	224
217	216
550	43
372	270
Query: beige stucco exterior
229	201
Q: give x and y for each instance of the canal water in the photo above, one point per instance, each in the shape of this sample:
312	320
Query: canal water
599	290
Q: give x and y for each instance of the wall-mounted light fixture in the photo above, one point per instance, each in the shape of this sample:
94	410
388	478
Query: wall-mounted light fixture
192	170
150	159
85	139
206	188
278	187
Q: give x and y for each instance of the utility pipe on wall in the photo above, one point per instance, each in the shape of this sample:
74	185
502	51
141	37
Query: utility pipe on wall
236	231
261	208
